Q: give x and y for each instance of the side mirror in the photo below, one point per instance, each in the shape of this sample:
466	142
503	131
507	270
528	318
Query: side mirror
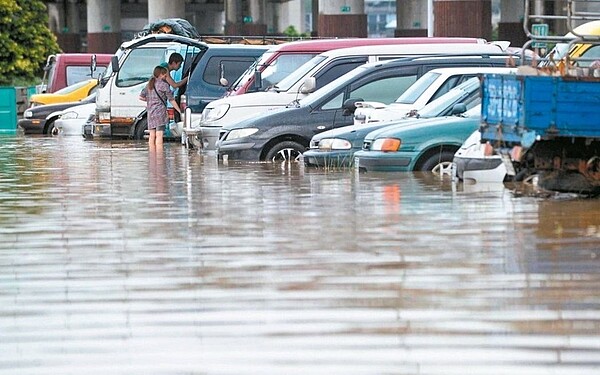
459	108
114	63
223	81
349	106
309	85
257	81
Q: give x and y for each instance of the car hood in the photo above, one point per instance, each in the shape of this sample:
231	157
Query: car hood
358	131
253	99
431	126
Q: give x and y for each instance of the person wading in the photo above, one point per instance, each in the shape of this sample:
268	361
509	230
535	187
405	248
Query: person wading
156	94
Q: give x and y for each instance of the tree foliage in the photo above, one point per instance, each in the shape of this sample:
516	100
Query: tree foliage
25	40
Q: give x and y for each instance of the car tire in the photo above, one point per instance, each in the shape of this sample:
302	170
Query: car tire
50	128
438	162
288	151
140	129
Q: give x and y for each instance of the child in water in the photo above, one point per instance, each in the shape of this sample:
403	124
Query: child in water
156	94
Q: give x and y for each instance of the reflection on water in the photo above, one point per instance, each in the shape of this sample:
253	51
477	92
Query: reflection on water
114	260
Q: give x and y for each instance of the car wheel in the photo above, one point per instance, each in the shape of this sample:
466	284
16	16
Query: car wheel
439	163
140	129
287	151
51	130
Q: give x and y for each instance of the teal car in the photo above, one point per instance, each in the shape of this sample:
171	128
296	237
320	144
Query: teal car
427	145
335	148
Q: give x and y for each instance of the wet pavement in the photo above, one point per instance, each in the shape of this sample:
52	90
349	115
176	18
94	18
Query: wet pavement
114	260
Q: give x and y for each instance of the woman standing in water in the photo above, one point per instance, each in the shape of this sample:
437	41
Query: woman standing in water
156	94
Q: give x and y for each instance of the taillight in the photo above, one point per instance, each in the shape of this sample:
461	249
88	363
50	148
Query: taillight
171	112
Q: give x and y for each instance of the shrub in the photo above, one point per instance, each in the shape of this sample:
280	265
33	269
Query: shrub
25	40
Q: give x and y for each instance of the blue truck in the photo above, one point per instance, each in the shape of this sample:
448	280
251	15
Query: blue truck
553	122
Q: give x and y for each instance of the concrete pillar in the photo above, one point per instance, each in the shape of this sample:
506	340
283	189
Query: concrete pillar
104	25
209	19
510	26
467	18
239	20
342	18
292	13
65	23
411	18
161	9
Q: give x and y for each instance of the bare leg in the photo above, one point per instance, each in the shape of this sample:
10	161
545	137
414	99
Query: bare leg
152	137
159	138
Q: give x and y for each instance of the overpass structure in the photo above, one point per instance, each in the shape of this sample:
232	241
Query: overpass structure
101	25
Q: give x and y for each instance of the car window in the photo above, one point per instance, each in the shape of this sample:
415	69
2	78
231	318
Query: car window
337	70
335	103
138	66
446	86
299	73
418	88
81	73
233	67
384	90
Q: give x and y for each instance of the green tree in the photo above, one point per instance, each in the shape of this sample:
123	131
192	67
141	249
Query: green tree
25	40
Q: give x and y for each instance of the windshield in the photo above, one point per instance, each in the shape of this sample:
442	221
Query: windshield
249	73
466	92
282	67
286	83
418	88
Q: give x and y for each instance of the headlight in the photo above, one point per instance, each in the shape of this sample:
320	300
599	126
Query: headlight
103	117
69	115
334	144
386	144
214	114
28	114
240	133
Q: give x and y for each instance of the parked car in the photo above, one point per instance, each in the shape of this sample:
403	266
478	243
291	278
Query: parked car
285	134
71	120
472	162
73	93
65	69
419	146
40	119
430	86
336	147
315	74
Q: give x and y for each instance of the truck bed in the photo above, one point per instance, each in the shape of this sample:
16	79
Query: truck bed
521	109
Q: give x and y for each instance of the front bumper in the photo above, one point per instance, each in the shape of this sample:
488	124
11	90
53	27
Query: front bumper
32	126
101	130
378	161
238	151
330	159
479	169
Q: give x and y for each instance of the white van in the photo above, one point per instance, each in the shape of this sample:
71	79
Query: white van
314	74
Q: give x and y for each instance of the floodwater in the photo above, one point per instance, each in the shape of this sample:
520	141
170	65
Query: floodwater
114	260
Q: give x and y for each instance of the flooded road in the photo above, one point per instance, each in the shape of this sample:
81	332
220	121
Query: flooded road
117	261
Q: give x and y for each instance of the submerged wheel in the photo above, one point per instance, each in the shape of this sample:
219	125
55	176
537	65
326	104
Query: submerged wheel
439	163
288	151
51	129
140	129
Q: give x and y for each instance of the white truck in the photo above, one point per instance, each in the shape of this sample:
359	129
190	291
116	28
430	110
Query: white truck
120	113
314	74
